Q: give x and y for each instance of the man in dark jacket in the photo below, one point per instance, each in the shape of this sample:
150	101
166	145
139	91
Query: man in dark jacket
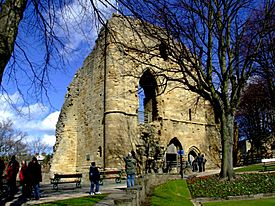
94	177
200	162
35	176
130	164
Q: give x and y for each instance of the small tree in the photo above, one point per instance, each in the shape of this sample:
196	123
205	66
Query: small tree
37	146
11	140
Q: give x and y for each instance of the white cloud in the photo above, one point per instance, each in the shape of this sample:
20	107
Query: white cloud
36	119
50	121
48	139
78	24
35	111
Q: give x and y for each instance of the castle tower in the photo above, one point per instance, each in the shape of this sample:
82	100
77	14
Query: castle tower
116	93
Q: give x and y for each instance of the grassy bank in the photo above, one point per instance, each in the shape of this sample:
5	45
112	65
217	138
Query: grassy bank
174	193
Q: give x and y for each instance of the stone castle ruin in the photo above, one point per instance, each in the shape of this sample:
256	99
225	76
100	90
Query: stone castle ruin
117	103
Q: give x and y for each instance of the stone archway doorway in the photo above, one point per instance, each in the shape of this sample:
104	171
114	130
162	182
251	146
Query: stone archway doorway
192	154
173	159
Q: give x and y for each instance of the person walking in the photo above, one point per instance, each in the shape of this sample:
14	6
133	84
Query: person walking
94	177
12	170
35	176
130	166
23	177
195	164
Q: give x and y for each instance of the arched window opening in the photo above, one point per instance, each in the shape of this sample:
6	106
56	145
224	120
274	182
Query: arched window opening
147	98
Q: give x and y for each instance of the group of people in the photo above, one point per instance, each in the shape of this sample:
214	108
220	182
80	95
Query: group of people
198	165
30	175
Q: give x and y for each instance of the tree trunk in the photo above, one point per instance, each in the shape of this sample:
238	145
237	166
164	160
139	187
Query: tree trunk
11	14
227	137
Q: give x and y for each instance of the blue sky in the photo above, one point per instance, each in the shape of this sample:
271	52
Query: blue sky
38	119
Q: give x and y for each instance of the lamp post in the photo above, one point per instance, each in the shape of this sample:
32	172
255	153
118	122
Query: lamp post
181	153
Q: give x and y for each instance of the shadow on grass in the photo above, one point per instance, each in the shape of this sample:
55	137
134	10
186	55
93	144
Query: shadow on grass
83	201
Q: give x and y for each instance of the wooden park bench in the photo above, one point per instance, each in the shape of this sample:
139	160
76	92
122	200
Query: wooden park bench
111	174
66	178
268	163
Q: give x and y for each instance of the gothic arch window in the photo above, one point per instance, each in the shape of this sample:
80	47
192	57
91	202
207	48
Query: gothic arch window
147	97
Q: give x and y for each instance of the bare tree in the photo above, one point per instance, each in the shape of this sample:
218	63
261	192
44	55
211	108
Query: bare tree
265	58
37	146
34	40
10	17
255	115
214	48
11	140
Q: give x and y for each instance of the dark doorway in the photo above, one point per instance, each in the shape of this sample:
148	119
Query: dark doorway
173	159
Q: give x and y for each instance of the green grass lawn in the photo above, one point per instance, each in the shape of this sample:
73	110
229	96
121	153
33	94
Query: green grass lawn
174	193
255	168
83	201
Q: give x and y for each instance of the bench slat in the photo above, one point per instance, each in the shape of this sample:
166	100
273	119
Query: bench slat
68	175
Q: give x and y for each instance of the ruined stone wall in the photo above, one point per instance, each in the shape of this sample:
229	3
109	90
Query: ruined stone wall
101	106
79	128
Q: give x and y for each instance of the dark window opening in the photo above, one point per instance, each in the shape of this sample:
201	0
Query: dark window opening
88	158
190	115
147	98
163	51
99	151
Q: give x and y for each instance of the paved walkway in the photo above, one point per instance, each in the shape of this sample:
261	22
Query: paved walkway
67	191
